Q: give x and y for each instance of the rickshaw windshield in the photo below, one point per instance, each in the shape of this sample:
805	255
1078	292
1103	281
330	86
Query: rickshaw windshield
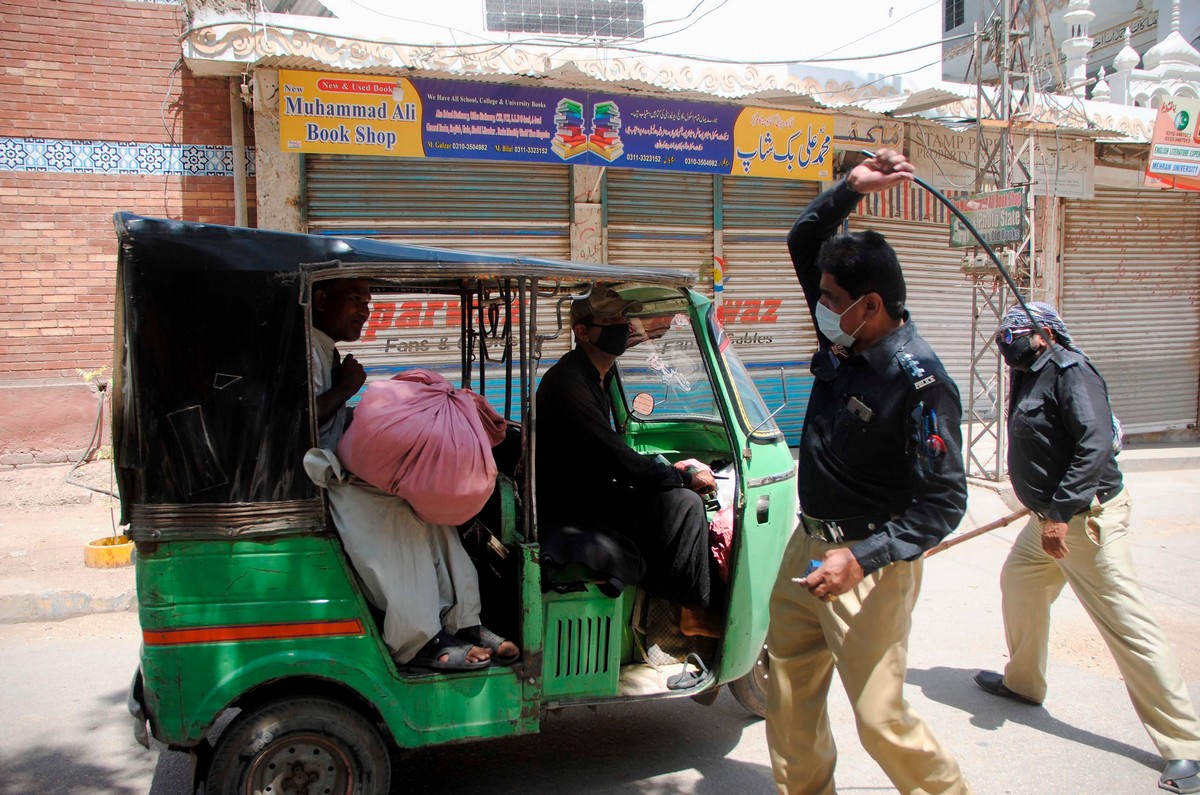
663	376
752	411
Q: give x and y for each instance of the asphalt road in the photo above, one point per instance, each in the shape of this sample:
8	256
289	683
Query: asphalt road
65	728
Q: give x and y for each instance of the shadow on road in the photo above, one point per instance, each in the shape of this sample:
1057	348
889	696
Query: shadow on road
955	687
614	749
61	771
580	750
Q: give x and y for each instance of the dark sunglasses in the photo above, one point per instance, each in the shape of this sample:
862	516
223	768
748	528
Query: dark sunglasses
1008	335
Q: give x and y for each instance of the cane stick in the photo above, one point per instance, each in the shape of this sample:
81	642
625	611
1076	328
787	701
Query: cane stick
1008	279
978	531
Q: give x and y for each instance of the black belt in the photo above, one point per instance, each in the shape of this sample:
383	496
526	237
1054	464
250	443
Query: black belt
1102	497
841	530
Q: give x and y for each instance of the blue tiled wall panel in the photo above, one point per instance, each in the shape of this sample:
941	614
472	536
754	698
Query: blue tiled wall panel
59	156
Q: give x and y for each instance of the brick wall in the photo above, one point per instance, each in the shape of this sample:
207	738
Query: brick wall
101	116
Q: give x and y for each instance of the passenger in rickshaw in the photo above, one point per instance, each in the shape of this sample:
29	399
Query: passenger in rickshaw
340	309
418	573
596	495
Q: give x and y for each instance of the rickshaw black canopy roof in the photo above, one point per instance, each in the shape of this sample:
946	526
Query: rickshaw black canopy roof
211	399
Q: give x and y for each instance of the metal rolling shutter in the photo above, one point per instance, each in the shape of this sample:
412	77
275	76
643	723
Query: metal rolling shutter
940	298
1131	298
764	308
660	219
500	207
503	207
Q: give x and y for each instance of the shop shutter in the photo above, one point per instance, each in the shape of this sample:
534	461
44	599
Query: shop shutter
514	208
660	220
1131	298
940	298
764	308
511	208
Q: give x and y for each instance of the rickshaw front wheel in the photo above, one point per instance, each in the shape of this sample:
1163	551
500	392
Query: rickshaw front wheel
306	746
751	690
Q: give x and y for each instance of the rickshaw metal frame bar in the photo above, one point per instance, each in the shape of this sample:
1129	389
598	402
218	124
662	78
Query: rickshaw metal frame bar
528	299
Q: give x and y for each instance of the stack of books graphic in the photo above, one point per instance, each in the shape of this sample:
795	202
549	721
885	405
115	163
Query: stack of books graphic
605	139
570	140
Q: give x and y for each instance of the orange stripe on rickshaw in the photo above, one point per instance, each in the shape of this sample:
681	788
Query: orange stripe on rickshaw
305	629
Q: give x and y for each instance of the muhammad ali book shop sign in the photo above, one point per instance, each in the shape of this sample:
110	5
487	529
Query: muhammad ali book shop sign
417	117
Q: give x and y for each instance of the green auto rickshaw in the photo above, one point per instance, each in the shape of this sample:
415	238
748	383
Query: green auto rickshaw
262	655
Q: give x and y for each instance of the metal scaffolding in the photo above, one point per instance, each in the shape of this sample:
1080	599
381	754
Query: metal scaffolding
1004	103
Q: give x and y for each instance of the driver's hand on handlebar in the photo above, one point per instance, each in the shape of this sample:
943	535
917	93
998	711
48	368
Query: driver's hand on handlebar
702	481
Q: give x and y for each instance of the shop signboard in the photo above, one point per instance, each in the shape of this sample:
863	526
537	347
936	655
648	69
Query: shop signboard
998	215
1062	166
1175	150
417	117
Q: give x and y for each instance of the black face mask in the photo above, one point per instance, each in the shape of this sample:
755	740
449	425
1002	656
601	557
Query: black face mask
613	339
1020	353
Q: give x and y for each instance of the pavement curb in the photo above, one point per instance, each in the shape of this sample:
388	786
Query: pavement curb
60	605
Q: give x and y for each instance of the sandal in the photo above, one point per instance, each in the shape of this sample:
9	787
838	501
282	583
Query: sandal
688	679
1181	775
480	635
456	652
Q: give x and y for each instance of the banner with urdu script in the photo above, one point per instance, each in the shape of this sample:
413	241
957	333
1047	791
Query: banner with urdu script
417	117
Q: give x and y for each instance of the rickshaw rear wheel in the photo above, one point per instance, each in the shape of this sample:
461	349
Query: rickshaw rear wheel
751	690
306	745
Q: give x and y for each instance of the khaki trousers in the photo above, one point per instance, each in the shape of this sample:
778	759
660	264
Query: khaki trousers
864	634
1099	568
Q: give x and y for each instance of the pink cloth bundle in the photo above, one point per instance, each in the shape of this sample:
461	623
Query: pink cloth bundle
418	437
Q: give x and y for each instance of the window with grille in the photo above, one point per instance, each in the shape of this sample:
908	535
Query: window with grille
953	13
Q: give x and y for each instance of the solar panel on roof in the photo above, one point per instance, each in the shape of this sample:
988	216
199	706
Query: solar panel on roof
602	18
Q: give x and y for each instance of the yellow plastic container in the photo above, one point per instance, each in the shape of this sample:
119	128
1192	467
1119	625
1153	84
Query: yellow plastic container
109	552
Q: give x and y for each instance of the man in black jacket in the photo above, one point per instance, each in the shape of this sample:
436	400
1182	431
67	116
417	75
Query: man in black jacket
881	481
590	479
1062	452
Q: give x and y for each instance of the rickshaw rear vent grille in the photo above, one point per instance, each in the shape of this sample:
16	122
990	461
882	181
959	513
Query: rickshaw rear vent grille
583	646
582	654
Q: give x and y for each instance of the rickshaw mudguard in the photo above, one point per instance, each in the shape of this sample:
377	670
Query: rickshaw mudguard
290	618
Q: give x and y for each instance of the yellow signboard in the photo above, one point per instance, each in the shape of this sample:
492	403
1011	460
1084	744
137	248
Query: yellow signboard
346	114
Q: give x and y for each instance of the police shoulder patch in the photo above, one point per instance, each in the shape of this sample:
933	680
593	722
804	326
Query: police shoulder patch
913	368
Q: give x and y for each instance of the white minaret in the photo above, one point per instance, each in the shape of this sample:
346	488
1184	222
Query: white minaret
1077	45
1173	58
1101	91
1121	83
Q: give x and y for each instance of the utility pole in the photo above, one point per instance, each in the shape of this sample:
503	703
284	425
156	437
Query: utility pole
1005	103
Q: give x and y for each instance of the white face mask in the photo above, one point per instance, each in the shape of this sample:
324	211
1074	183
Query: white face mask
830	324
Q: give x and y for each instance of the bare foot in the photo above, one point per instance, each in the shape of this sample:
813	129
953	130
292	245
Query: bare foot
476	654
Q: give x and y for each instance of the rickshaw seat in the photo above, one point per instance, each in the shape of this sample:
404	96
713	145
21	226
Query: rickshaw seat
572	554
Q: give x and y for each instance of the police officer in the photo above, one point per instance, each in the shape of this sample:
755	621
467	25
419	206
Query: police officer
1062	458
881	481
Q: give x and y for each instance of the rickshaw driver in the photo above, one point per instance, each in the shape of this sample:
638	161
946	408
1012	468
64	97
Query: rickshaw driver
340	309
661	511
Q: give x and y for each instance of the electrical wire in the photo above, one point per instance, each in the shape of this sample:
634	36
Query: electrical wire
575	44
880	30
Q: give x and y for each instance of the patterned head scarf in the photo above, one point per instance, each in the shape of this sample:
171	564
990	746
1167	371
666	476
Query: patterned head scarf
1046	316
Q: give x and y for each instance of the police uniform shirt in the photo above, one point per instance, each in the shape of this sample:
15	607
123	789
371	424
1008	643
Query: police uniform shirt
882	441
882	438
1060	453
